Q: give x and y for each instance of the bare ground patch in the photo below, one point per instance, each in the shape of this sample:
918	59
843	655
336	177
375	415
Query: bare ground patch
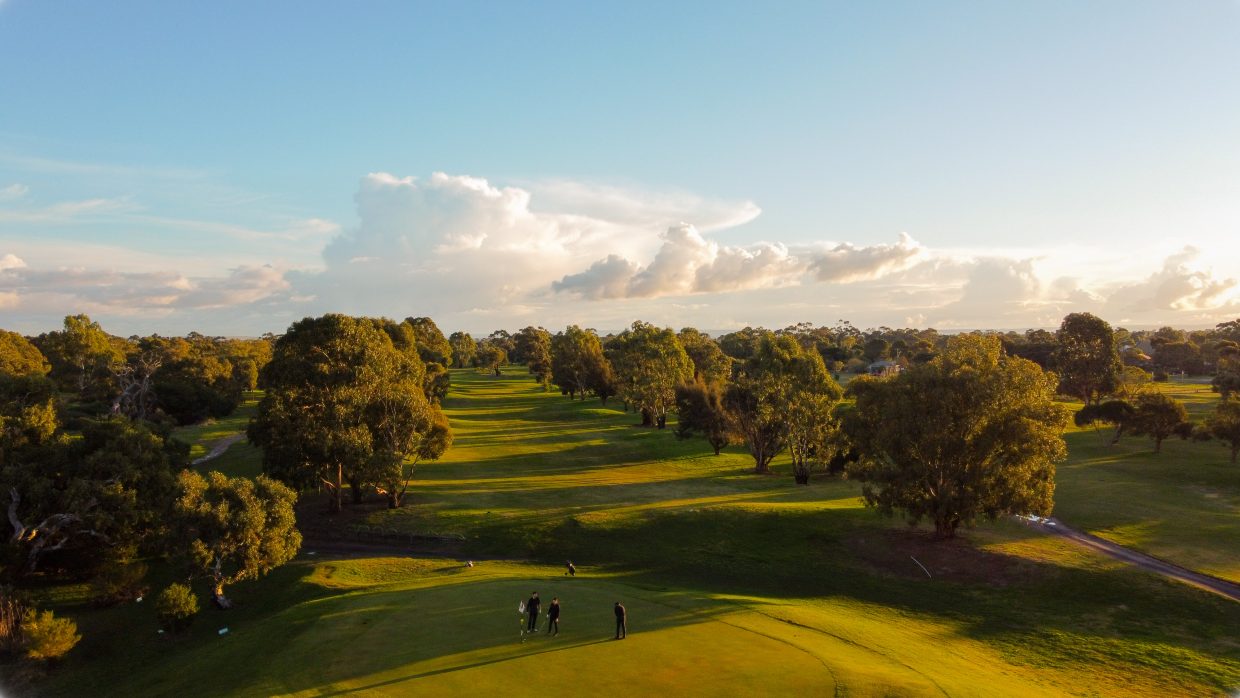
899	552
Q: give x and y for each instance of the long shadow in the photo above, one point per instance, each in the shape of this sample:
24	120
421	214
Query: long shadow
449	670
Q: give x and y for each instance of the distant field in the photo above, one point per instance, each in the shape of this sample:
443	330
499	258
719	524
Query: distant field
736	584
240	458
1182	505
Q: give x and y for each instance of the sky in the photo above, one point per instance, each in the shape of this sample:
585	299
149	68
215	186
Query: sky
231	167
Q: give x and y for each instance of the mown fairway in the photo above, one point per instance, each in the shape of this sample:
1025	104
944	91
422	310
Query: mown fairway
735	584
1182	505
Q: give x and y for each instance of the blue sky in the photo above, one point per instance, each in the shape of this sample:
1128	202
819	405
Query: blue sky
230	167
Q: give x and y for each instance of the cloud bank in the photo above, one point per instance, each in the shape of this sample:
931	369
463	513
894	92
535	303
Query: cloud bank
478	256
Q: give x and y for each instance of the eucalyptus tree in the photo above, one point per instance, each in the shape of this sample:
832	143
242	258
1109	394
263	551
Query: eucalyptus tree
578	364
783	397
971	433
1086	358
463	349
234	528
342	393
18	357
710	364
532	347
649	363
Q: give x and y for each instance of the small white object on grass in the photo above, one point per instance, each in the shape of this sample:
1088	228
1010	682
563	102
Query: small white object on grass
160	631
310	553
923	567
469	563
223	631
138	600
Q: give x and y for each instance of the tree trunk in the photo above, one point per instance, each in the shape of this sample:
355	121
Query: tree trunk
647	417
393	500
801	475
1158	444
355	489
661	422
945	527
336	503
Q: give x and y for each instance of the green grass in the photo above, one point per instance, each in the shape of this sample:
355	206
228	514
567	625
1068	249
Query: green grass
1182	505
241	458
735	584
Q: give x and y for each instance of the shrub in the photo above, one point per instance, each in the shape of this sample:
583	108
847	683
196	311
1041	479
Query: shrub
177	606
48	637
119	581
1161	376
13	608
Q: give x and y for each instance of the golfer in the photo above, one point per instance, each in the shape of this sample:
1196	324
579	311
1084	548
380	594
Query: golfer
621	626
553	617
531	607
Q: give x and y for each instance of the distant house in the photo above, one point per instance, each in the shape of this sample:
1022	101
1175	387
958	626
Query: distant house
884	367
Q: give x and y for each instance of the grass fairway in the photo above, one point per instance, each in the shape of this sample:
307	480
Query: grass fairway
735	584
1182	505
240	458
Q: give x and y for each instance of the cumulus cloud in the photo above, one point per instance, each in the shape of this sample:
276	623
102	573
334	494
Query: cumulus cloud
688	263
1176	286
475	254
126	293
11	261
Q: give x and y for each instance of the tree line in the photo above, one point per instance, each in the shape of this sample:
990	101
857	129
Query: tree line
948	428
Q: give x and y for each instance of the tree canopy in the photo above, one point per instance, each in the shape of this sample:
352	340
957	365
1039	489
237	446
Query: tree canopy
971	433
578	365
1087	359
1158	416
342	392
1224	424
18	357
649	363
235	528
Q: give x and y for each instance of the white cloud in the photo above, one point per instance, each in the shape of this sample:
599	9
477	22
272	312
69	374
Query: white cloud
11	261
13	191
1176	286
108	292
67	211
476	255
688	263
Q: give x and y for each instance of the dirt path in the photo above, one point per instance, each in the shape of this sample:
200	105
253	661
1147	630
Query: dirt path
218	449
1221	587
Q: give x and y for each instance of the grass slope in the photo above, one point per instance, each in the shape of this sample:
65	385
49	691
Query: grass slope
735	584
1182	505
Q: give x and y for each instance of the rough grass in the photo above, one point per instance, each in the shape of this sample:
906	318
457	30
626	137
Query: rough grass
735	584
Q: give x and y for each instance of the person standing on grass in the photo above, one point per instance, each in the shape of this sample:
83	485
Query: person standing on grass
621	625
531	607
553	617
572	571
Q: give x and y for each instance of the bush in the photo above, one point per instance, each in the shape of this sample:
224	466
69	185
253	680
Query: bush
119	581
48	637
177	606
1161	376
13	608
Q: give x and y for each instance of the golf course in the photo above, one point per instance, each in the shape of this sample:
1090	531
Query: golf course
734	583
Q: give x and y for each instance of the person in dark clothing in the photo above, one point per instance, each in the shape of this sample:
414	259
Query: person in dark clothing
621	626
553	617
531	607
572	571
